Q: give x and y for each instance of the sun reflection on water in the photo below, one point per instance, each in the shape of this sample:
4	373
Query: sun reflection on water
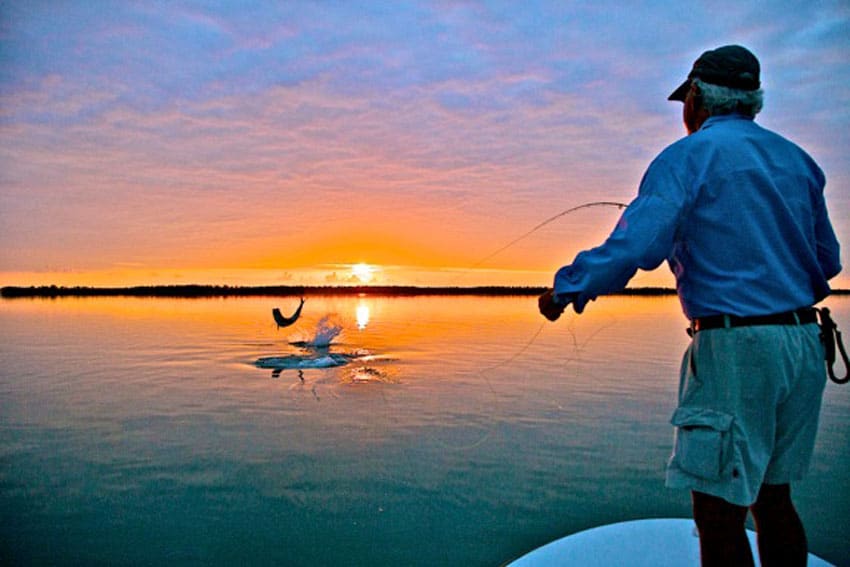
362	314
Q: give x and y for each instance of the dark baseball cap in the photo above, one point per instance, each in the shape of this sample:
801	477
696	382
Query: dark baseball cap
730	66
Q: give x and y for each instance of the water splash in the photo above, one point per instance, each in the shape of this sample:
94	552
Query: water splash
326	331
317	357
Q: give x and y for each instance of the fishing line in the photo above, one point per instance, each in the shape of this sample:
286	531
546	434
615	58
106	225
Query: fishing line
525	235
515	355
483	373
544	223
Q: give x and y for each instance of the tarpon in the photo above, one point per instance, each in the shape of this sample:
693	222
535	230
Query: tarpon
286	321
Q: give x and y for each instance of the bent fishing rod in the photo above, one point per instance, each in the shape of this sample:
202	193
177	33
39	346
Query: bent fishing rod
547	221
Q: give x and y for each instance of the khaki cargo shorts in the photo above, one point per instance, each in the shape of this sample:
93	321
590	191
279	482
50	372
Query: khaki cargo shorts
749	402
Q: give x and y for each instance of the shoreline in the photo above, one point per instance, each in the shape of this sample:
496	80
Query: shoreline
207	291
201	291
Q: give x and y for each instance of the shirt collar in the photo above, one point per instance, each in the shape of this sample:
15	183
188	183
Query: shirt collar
725	118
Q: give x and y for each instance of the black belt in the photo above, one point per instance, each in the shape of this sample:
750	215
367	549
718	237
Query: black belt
830	336
799	317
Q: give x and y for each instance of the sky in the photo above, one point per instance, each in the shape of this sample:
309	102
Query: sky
266	143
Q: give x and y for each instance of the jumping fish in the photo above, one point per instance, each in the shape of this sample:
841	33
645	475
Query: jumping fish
286	321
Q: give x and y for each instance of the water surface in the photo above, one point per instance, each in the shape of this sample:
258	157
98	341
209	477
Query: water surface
463	431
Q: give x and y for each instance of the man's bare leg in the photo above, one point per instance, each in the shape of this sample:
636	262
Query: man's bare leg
722	536
781	536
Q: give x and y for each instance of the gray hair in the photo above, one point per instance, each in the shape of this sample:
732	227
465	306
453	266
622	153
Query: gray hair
724	100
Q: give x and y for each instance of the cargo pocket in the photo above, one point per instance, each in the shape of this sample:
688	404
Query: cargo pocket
703	441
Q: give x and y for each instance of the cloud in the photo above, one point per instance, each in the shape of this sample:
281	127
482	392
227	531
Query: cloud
260	133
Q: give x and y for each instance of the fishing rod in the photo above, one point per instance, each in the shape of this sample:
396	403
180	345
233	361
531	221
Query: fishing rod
547	221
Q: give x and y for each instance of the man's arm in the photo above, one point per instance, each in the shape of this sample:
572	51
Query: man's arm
642	239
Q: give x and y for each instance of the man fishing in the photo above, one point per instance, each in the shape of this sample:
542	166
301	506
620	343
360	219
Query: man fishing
738	212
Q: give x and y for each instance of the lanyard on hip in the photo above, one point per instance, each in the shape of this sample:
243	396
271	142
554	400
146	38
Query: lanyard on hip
830	336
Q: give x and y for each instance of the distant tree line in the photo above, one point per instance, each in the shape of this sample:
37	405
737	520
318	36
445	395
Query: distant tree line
200	291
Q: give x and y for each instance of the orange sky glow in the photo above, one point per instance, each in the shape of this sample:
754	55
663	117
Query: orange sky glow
287	144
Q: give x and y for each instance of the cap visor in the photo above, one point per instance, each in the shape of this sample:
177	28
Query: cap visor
681	92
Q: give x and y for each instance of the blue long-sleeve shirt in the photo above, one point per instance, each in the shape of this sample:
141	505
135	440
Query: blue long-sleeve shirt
736	210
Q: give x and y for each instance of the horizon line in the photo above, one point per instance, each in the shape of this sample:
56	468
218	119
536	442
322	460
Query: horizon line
224	290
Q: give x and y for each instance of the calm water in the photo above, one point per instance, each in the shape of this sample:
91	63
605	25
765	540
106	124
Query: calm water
139	431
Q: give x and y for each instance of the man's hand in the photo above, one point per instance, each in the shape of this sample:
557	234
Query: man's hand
548	307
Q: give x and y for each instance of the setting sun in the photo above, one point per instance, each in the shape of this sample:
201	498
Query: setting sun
363	272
